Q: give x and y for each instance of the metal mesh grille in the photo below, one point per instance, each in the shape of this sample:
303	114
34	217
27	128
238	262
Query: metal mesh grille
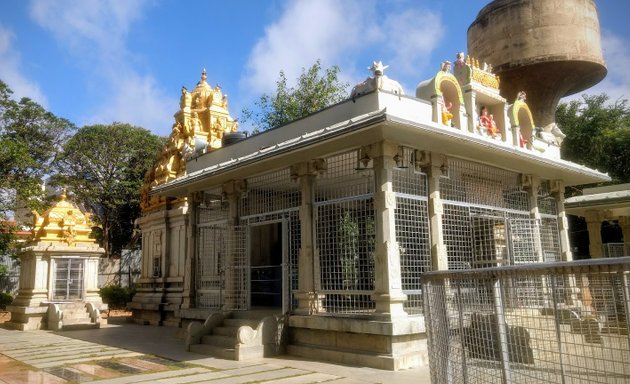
270	192
68	279
457	235
526	246
236	296
211	251
484	328
616	249
550	239
479	184
546	201
213	208
412	229
345	235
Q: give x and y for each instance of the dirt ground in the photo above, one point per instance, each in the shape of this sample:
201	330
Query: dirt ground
6	316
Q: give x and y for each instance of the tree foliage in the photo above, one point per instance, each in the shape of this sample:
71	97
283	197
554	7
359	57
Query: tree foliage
30	139
315	89
598	134
104	166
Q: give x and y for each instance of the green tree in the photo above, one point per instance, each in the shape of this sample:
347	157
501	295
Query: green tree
316	89
104	166
598	134
30	139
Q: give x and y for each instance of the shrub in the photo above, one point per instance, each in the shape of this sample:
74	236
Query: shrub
5	299
116	297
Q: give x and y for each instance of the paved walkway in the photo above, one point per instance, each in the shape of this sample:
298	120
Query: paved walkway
128	353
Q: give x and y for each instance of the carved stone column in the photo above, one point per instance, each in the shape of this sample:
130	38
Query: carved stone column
594	226
531	183
388	293
624	223
190	266
309	279
434	165
563	224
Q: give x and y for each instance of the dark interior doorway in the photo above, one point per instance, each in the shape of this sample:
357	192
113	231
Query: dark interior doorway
266	265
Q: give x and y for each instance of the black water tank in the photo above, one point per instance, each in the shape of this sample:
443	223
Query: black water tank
233	137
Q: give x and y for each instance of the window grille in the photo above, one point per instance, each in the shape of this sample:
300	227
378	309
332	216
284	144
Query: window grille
412	229
213	208
483	185
270	192
211	251
345	235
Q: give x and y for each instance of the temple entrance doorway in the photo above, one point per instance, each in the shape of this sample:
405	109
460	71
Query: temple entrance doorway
267	261
68	281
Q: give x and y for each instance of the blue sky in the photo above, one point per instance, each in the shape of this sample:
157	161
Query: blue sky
99	61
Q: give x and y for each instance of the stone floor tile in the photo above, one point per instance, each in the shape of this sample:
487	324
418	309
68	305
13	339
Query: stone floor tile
97	371
31	377
309	378
153	377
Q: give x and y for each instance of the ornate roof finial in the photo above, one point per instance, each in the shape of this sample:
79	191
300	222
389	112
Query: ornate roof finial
64	194
378	68
203	75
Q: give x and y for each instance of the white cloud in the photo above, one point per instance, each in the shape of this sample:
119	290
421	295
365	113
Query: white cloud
306	31
616	84
337	32
10	70
411	36
95	33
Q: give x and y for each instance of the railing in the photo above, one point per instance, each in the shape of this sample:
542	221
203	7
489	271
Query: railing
10	283
616	249
539	323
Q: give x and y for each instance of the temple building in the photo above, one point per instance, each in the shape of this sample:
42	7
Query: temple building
311	238
58	286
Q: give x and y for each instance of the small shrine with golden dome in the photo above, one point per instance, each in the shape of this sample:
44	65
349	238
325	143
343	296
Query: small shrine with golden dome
59	269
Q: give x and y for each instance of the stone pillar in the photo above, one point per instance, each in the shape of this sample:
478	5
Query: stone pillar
531	183
563	224
388	293
434	166
470	97
624	223
190	272
309	279
436	109
233	190
91	281
516	135
594	226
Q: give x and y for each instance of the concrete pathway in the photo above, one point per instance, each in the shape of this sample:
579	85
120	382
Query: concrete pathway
129	353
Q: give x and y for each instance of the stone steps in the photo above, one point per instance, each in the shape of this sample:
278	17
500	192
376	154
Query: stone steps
354	357
222	341
215	351
72	316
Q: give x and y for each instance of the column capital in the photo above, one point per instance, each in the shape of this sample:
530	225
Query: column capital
235	187
530	182
308	168
381	149
557	188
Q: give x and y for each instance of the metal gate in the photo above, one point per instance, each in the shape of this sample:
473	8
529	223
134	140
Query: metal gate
222	267
68	279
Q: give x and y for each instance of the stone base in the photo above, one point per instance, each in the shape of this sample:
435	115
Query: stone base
394	345
27	318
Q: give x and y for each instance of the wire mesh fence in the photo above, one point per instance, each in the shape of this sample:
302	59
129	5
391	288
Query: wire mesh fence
616	249
537	323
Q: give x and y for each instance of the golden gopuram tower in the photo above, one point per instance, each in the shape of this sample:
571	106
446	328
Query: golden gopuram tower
200	124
